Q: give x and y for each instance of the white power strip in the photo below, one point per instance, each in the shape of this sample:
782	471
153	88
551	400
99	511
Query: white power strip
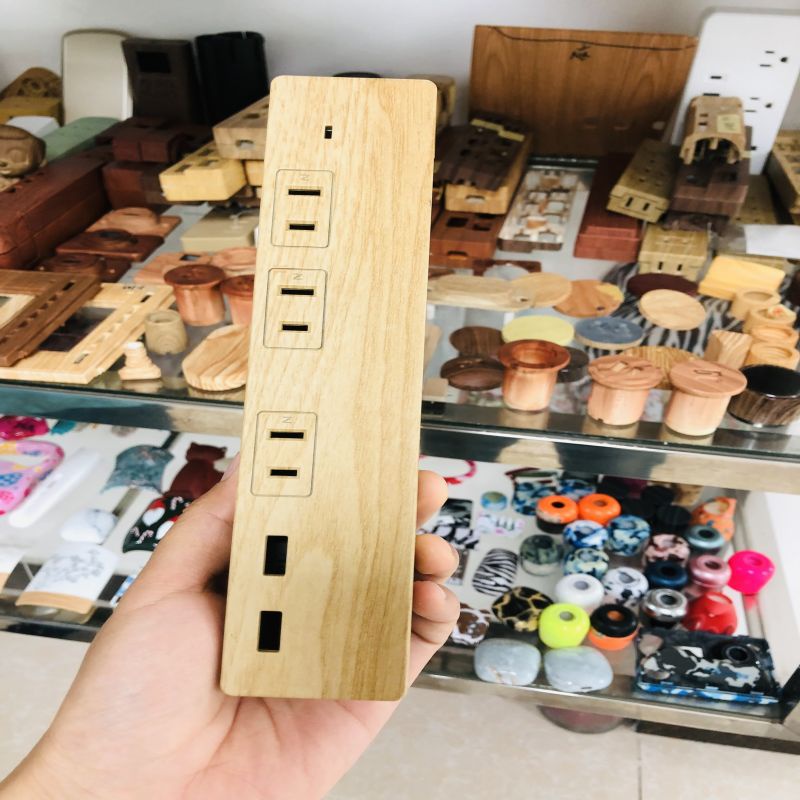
753	56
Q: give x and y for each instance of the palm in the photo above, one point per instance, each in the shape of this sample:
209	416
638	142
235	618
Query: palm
146	718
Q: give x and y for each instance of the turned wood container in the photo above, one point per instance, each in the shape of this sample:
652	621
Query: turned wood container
235	260
775	315
775	334
620	388
748	300
700	396
780	355
165	333
532	367
239	293
197	293
772	396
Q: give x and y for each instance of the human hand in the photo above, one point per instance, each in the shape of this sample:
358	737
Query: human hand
145	717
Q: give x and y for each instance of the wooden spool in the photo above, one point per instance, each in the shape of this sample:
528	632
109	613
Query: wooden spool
532	367
621	384
747	300
665	358
165	333
197	293
239	293
701	392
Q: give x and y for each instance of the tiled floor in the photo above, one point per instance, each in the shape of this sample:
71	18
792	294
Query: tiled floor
441	745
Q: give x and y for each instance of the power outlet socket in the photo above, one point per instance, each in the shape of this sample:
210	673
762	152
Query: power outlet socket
295	308
301	211
284	454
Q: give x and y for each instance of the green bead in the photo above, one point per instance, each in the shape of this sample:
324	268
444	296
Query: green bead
563	625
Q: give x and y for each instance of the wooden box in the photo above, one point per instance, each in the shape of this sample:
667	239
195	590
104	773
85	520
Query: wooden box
681	253
783	169
711	187
714	126
202	176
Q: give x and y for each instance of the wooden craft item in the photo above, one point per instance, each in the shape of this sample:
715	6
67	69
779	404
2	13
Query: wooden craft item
747	300
539	211
34	82
772	315
235	260
108	270
782	169
202	176
609	333
239	293
728	348
304	421
714	188
604	234
47	207
577	369
675	311
665	358
478	266
445	97
639	285
11	107
244	135
463	234
477	340
138	366
532	368
94	353
701	392
539	326
130	184
219	362
154	139
465	197
775	334
138	222
557	82
20	152
433	334
36	304
644	189
758	208
621	385
728	274
219	229
772	397
471	291
165	333
793	292
155	269
714	127
682	253
254	171
590	298
472	373
779	355
6	183
692	221
548	288
197	293
113	243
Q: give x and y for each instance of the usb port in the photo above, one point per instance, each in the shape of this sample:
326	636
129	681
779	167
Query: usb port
295	327
287	434
302	226
296	291
297	192
283	473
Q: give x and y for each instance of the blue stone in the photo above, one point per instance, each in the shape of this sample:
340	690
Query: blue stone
577	669
585	533
627	535
586	561
494	501
507	661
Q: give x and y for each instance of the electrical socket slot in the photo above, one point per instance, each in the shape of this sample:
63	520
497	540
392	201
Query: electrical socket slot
275	555
269	631
329	132
283	457
301	212
295	315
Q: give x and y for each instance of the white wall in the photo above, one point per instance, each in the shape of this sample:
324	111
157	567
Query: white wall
393	37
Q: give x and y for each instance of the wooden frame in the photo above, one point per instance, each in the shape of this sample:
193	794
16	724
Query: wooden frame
100	348
39	303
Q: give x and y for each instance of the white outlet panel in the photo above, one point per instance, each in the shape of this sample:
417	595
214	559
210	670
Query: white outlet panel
753	56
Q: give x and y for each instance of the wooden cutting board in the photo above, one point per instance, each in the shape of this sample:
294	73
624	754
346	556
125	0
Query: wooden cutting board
581	92
471	291
219	362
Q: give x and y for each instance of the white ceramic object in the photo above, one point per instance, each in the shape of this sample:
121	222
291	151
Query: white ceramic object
580	590
91	525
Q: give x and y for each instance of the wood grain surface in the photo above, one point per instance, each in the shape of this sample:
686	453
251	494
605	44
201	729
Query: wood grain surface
348	514
591	298
673	310
219	362
663	357
581	92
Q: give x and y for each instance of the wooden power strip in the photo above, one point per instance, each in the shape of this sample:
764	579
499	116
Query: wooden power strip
321	573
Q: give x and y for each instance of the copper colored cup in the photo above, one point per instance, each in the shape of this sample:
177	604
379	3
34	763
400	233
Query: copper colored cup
532	367
239	292
197	293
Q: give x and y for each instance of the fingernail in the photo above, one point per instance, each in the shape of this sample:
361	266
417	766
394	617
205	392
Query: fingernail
231	468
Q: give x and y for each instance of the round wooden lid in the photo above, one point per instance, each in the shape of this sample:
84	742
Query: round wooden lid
194	276
640	285
533	354
238	285
707	379
625	372
547	288
591	298
472	373
476	340
539	326
673	310
82	263
608	333
664	358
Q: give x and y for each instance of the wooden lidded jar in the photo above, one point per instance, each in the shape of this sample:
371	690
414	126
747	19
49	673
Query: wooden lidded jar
701	393
532	367
197	293
239	292
620	387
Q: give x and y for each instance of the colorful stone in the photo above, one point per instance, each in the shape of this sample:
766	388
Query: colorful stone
563	625
521	608
718	512
496	572
472	626
580	590
577	669
540	554
585	533
627	535
667	547
750	571
507	661
705	539
666	574
494	501
586	561
625	585
576	488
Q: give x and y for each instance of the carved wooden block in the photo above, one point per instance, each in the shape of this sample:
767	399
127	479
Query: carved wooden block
113	243
460	234
727	275
782	169
758	208
714	126
153	139
711	187
202	176
129	184
20	152
681	253
75	136
107	269
137	221
540	211
254	170
11	107
219	362
604	234
221	228
728	348
244	135
644	190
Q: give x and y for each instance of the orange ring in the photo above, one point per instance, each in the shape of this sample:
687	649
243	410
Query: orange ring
557	508
603	642
600	508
